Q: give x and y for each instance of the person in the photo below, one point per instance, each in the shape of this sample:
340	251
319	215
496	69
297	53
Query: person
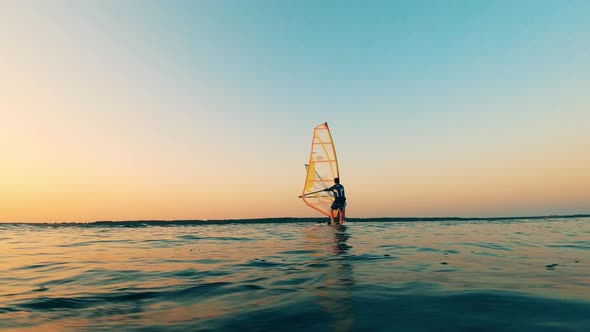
339	201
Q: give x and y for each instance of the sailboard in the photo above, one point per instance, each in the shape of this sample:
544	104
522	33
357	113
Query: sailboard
322	168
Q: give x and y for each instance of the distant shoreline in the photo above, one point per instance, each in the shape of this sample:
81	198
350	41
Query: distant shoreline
292	220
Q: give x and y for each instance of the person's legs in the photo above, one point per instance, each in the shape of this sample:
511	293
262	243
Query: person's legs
333	210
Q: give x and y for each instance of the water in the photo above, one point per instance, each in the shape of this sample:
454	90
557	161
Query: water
521	275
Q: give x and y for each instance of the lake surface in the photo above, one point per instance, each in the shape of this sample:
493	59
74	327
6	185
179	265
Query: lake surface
510	275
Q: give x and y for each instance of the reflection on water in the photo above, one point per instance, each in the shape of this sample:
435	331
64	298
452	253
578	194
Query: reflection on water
334	292
428	276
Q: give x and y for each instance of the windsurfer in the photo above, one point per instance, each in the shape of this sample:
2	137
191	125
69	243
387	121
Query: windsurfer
339	203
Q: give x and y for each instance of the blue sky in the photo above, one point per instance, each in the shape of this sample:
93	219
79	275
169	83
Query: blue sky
429	101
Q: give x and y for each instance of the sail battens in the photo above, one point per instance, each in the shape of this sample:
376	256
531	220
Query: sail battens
325	161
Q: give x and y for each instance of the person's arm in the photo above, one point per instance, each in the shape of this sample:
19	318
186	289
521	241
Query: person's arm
329	189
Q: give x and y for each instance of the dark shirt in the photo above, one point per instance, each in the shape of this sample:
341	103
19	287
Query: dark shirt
337	190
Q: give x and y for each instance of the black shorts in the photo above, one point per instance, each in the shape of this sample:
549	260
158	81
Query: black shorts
339	204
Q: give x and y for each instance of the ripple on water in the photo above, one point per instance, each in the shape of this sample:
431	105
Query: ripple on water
371	257
262	263
487	245
575	245
378	277
298	252
44	267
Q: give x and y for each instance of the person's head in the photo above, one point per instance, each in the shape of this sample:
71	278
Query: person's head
336	180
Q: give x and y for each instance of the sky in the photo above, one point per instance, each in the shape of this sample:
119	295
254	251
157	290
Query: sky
128	110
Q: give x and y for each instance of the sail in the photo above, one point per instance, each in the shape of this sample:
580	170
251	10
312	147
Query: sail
321	171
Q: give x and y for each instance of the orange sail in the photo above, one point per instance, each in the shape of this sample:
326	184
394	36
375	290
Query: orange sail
321	171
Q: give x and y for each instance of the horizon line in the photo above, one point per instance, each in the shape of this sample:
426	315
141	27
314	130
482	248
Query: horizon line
294	219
